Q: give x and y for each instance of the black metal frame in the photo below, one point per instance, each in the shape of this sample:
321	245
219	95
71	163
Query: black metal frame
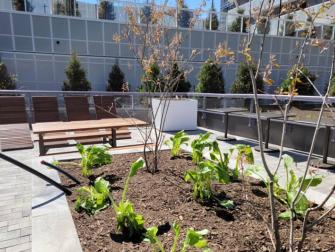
61	171
36	173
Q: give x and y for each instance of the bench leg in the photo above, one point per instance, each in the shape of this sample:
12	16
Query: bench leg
41	144
225	137
113	141
266	148
324	163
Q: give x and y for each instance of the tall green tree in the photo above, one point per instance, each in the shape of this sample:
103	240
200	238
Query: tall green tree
297	81
106	10
236	24
7	80
212	21
178	76
145	16
116	79
184	15
210	78
242	83
20	5
76	76
66	7
152	80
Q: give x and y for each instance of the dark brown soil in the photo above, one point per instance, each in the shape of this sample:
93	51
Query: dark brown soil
165	197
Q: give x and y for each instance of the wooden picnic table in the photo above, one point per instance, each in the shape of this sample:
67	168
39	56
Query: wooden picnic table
46	130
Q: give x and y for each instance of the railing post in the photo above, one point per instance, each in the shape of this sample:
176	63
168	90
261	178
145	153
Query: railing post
241	25
333	33
284	29
210	20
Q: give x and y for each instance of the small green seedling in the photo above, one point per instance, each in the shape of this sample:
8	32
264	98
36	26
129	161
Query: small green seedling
91	157
193	239
129	222
176	141
287	193
215	169
201	178
199	145
93	199
244	156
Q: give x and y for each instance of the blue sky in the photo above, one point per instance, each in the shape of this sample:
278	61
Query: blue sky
190	3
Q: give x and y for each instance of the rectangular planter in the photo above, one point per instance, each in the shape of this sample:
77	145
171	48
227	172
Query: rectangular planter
181	114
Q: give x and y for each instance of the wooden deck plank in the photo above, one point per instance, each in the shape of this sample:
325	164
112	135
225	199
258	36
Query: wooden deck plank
15	136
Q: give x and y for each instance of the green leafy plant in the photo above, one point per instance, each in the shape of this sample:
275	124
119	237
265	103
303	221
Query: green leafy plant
193	239
129	222
286	194
91	157
209	171
201	178
93	199
199	145
244	156
210	77
176	141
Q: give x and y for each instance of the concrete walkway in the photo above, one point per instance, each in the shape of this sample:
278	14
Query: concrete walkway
35	216
15	204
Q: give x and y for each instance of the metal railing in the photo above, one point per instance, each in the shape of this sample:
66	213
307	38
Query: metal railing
136	101
114	11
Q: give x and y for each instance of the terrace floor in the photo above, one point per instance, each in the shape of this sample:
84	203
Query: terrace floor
35	216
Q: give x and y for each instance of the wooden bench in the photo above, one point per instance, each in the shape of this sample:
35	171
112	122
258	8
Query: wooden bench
14	127
45	109
108	129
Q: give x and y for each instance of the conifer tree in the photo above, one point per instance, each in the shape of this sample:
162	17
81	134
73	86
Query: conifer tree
210	78
181	84
76	76
145	16
242	83
7	81
212	22
20	5
236	24
116	79
184	15
152	80
106	10
296	79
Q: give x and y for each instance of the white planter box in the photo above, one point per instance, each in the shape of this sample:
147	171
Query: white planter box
181	114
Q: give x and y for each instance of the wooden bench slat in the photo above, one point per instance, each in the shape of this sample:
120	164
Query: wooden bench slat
81	135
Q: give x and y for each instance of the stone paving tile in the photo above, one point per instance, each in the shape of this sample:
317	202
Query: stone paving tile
15	207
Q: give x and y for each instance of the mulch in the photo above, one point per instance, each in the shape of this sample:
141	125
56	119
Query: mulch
165	197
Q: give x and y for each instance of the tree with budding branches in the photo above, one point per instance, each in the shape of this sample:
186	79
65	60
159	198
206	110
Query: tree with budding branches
295	194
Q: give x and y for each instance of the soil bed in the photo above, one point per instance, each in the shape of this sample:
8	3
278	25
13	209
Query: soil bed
165	197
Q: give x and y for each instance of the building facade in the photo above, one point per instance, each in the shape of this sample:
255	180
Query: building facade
37	48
